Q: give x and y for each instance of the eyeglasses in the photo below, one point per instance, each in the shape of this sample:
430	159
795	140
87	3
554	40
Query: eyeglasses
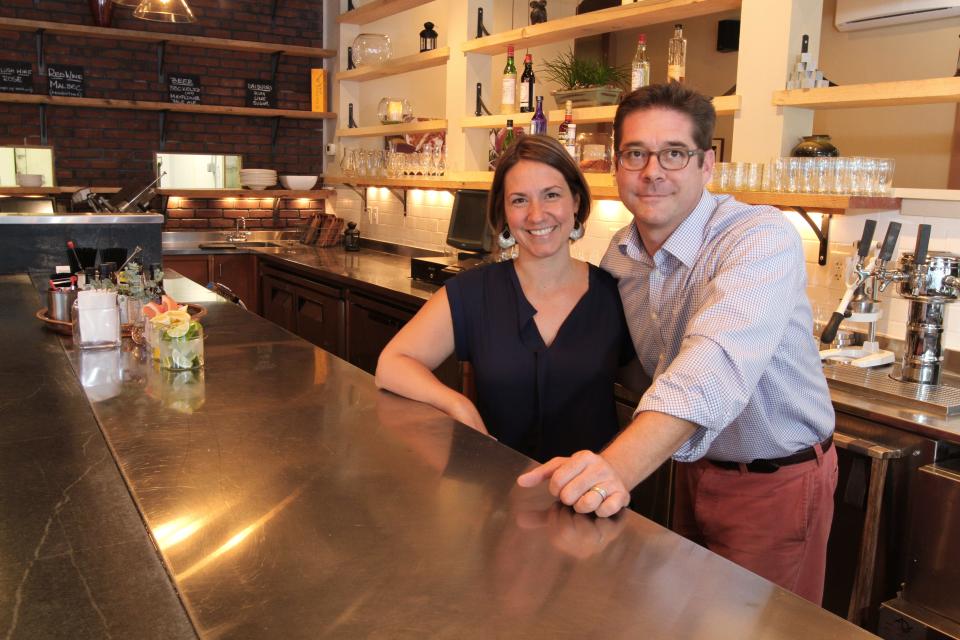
670	159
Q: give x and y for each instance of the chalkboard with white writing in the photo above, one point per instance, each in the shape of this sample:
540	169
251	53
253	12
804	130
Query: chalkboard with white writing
65	80
183	89
260	94
16	77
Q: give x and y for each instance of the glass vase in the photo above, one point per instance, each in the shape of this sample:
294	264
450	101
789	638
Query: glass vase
371	49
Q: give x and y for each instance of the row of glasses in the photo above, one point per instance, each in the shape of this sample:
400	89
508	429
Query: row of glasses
854	175
736	176
431	161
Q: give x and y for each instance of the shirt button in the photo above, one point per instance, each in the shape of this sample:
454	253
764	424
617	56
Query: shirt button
653	314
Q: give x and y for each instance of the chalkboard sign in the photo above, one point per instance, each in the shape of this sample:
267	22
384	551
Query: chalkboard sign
65	80
260	94
183	89
16	77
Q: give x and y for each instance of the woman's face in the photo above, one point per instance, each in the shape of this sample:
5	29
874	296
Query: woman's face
539	207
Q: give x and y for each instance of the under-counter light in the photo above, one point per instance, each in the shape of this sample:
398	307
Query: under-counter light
164	11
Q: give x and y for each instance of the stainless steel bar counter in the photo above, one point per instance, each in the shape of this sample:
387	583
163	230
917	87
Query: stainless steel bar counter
289	498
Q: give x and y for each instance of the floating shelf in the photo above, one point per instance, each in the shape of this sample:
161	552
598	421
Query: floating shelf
725	105
440	183
141	105
828	203
59	28
315	194
878	94
425	60
52	191
377	9
422	126
628	16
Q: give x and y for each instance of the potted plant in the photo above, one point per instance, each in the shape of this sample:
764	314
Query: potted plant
585	81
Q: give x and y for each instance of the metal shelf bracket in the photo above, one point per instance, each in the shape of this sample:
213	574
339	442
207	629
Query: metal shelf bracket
41	63
822	232
161	53
480	108
481	30
274	129
362	193
163	129
274	65
403	199
43	124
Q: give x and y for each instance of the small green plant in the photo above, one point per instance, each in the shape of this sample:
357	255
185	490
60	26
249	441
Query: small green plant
571	72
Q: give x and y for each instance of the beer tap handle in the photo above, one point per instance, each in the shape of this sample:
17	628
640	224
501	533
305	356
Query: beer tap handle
889	242
863	248
923	243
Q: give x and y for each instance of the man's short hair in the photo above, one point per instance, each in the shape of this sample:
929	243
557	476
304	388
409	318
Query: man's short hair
673	96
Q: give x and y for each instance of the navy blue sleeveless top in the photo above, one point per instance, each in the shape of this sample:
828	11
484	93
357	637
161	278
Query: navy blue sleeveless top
542	401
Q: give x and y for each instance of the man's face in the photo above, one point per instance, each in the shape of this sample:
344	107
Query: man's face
660	199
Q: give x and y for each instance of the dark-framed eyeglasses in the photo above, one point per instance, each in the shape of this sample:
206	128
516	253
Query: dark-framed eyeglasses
670	159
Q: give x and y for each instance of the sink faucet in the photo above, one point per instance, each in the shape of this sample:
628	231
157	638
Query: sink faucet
240	233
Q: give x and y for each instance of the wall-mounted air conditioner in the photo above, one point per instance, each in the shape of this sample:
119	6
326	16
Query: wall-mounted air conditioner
868	14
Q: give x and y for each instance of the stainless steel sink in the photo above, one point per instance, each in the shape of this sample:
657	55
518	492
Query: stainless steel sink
240	244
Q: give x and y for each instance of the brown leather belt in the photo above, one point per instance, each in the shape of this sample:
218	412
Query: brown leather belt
770	466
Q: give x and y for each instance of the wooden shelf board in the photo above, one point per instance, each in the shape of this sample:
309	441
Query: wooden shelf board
619	18
878	94
816	201
142	105
441	183
372	11
315	194
48	191
425	60
421	126
60	28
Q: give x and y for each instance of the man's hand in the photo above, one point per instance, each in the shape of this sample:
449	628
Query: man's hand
585	481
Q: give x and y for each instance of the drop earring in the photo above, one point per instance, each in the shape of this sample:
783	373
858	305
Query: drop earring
577	232
505	240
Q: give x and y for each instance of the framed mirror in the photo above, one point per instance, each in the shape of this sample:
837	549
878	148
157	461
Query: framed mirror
198	171
26	160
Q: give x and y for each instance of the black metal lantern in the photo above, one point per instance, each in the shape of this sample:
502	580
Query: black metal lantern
428	38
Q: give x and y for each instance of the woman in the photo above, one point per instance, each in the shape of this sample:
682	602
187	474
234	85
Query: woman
544	332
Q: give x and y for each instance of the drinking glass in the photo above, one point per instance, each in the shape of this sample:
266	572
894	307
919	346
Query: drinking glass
807	174
868	171
840	169
752	176
825	168
853	179
348	164
736	176
793	177
885	176
182	352
722	171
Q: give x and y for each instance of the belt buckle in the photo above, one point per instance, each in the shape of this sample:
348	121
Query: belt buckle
763	466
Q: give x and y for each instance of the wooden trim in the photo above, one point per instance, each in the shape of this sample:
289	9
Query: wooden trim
419	126
623	17
425	60
452	183
211	194
377	9
60	28
54	191
877	94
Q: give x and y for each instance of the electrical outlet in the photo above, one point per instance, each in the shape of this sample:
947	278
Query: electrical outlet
840	261
373	213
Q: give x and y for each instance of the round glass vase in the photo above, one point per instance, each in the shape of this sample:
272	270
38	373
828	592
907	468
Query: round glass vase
394	111
371	49
815	146
182	352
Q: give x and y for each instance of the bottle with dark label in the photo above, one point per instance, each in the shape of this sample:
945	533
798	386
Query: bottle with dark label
640	69
538	125
567	121
527	83
677	56
508	93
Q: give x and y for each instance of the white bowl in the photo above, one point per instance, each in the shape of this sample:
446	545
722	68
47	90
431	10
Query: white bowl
298	183
30	179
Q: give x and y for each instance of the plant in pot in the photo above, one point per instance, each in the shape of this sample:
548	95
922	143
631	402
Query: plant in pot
587	82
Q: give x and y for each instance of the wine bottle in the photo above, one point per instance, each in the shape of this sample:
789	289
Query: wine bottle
538	125
567	121
508	137
570	144
527	82
640	69
508	94
677	56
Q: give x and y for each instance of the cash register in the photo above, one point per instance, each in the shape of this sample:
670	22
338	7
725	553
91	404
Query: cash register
468	232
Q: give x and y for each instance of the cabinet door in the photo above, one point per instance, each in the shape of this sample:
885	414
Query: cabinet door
279	303
372	325
320	319
196	268
239	273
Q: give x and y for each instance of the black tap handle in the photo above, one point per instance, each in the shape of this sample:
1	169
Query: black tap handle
863	249
830	331
923	243
889	242
805	43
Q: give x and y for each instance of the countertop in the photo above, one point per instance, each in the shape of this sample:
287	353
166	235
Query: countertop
289	498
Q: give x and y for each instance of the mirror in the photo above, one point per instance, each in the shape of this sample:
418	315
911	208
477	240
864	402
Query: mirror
37	160
198	171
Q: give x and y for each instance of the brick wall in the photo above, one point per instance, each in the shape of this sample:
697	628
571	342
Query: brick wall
113	147
222	213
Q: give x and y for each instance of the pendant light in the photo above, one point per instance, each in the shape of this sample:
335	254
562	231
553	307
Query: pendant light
164	11
127	3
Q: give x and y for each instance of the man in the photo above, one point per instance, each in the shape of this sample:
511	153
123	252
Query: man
714	293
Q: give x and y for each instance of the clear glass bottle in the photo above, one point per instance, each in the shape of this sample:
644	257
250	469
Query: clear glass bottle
508	90
640	69
567	121
508	136
570	144
538	125
527	83
677	56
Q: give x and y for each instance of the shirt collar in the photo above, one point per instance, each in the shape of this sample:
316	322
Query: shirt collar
685	241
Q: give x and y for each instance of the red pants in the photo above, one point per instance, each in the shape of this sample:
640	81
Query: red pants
774	524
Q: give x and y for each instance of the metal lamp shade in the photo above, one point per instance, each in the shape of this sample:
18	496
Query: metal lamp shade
164	11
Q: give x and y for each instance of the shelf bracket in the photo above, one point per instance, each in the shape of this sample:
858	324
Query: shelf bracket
41	64
163	129
43	124
351	123
350	64
161	53
481	108
274	65
403	199
481	30
822	232
362	194
350	6
276	212
273	10
274	129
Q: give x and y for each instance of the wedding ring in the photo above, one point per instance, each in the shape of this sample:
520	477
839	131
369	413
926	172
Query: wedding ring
600	490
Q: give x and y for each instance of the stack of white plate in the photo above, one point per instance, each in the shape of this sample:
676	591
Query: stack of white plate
258	178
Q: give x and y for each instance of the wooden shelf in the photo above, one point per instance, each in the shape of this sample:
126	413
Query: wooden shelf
52	191
425	60
440	183
377	9
620	18
878	94
141	105
315	194
422	126
725	105
59	28
827	202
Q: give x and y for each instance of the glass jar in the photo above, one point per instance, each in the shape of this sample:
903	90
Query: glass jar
595	152
181	349
96	320
394	111
815	146
371	49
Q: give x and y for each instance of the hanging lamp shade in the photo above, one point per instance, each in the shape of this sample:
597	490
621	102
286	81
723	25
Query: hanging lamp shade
127	3
164	11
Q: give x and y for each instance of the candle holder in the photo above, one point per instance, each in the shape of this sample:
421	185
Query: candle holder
394	111
428	38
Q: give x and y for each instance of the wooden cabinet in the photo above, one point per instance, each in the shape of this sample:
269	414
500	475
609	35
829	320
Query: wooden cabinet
238	271
372	325
196	268
278	301
312	310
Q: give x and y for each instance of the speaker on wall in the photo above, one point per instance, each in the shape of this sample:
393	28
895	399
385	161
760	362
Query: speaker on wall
728	35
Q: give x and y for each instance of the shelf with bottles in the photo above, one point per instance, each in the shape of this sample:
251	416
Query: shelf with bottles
425	60
417	126
620	18
372	11
877	94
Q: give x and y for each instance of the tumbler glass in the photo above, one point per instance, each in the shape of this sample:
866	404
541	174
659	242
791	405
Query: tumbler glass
885	176
752	176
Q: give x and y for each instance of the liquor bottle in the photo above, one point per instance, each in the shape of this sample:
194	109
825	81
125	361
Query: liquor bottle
508	94
508	137
538	125
570	144
677	56
958	66
527	82
640	69
567	121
